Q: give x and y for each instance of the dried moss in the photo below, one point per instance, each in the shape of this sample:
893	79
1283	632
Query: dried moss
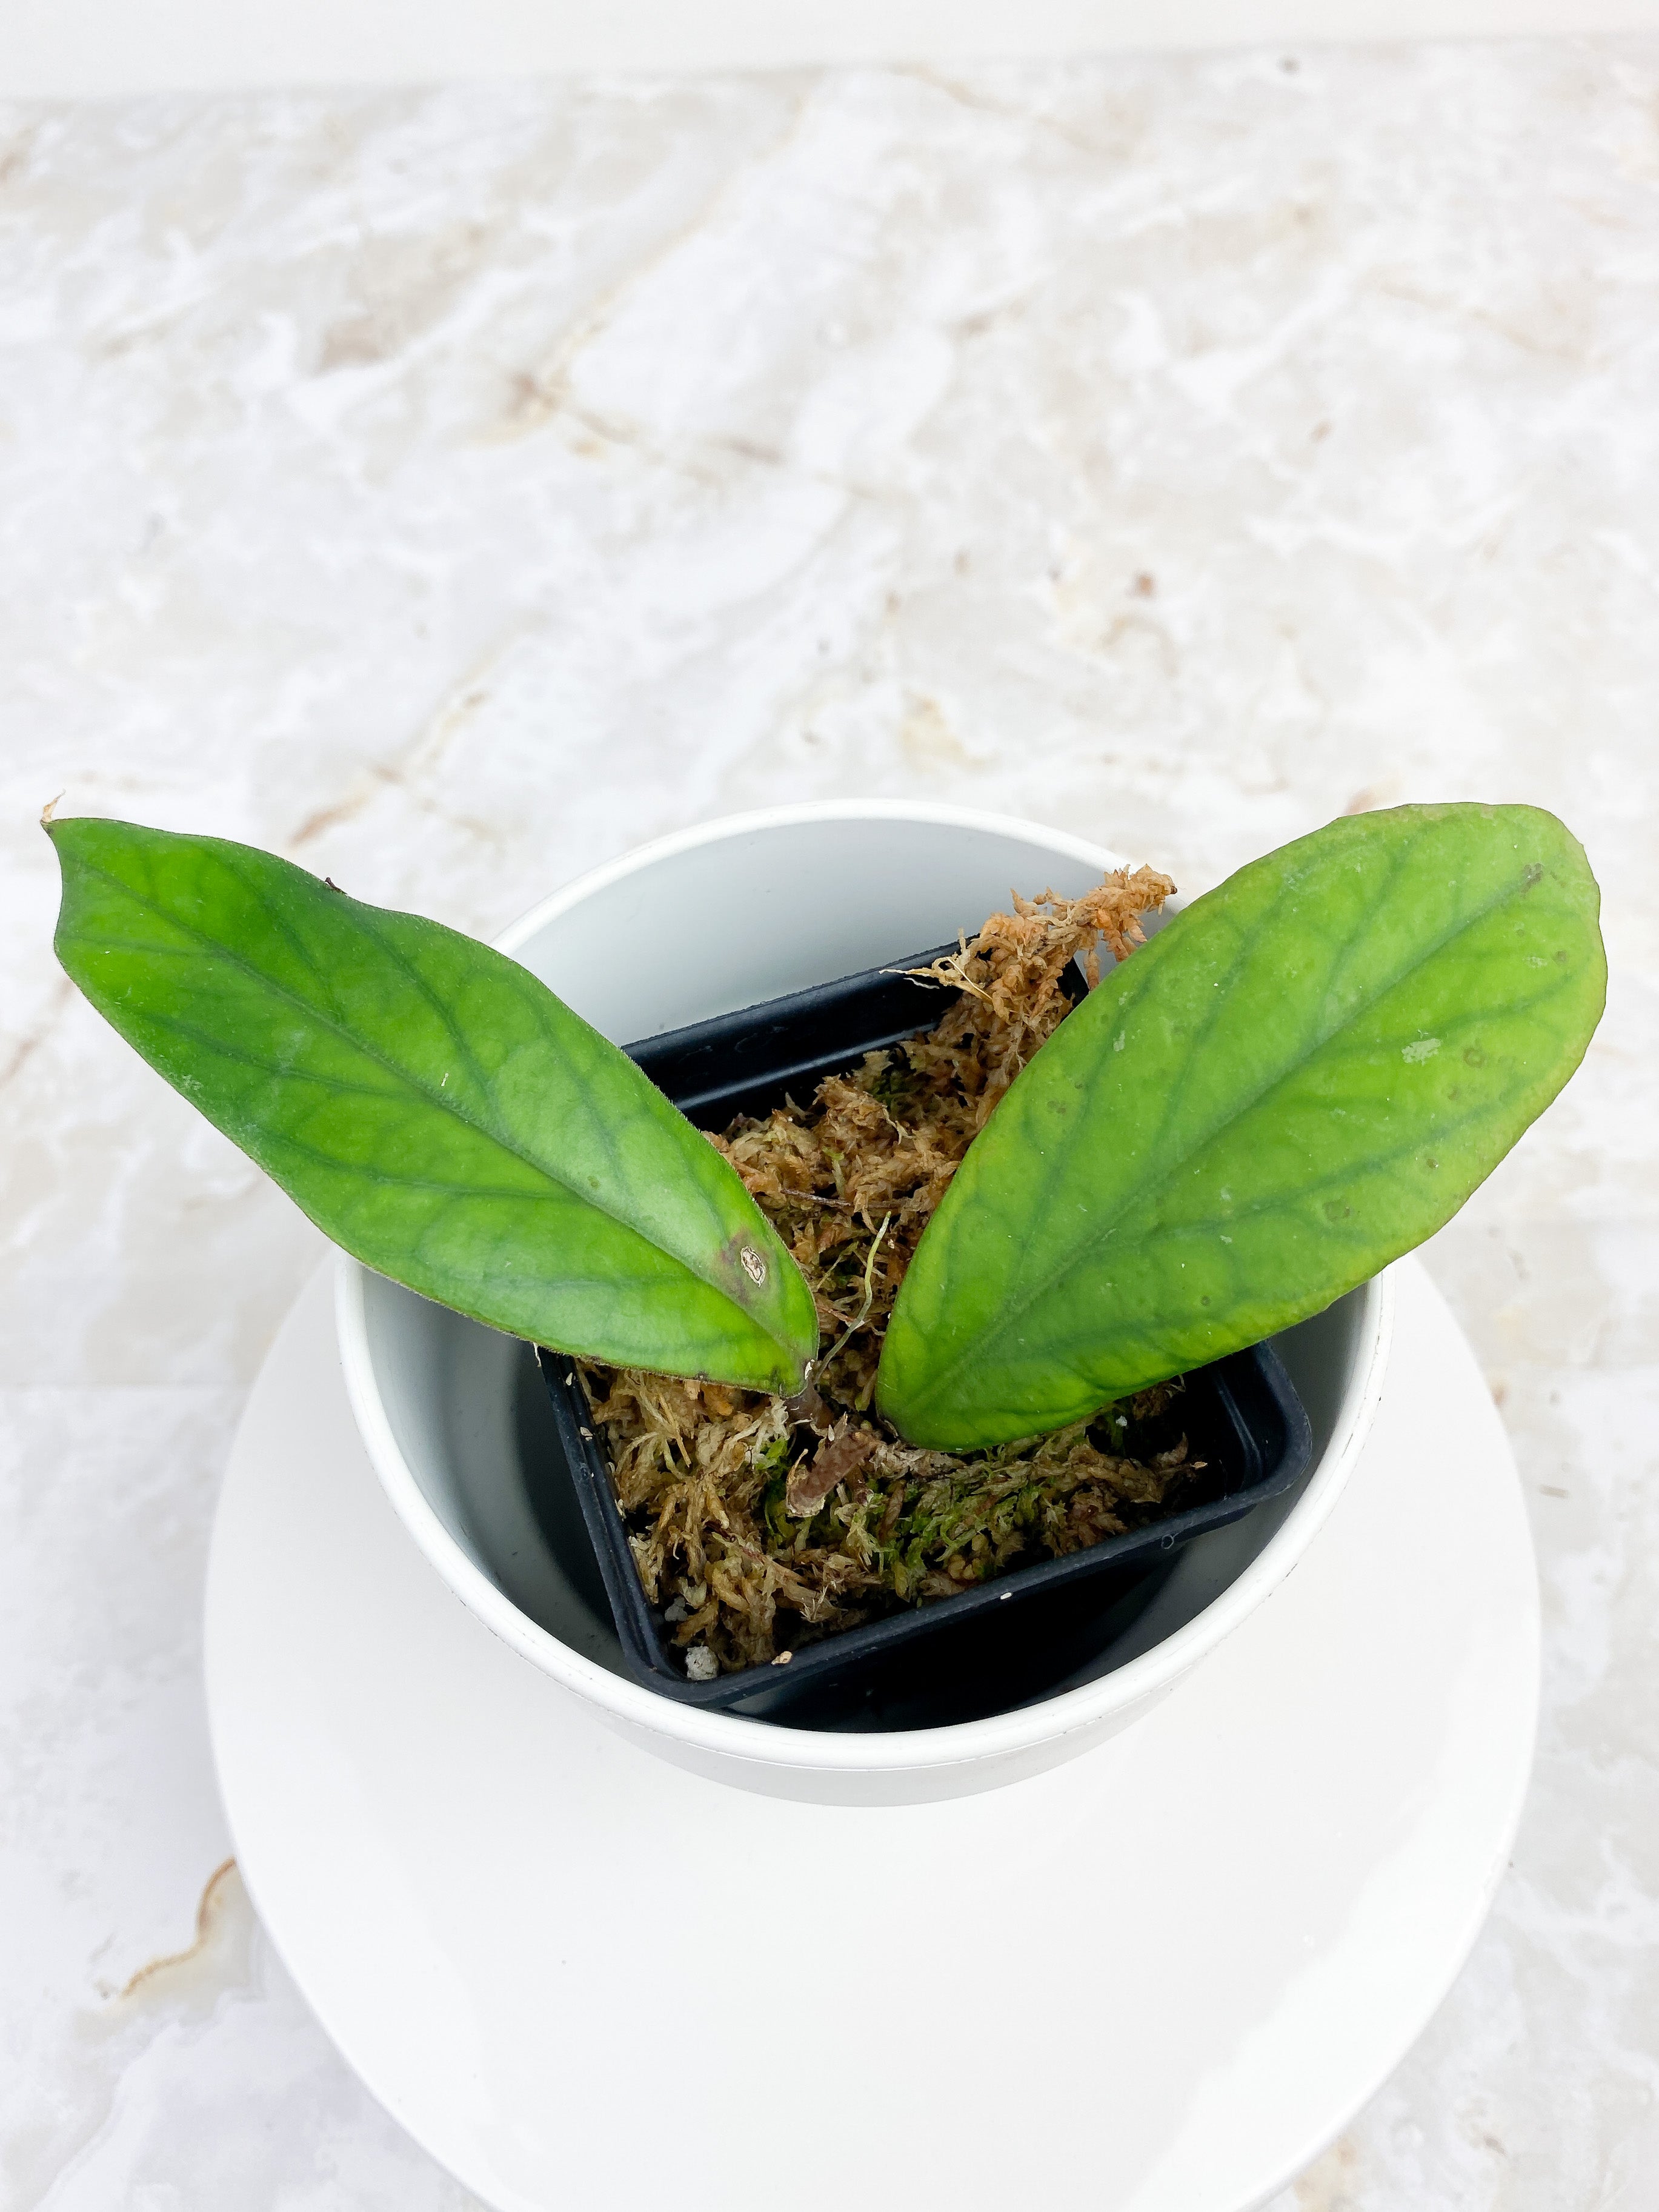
760	1525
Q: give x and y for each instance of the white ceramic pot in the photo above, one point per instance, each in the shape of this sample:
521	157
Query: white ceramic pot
716	918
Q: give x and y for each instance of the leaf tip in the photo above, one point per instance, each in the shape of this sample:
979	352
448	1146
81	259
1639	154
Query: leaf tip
49	814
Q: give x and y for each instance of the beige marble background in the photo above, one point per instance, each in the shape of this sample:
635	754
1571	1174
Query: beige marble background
453	489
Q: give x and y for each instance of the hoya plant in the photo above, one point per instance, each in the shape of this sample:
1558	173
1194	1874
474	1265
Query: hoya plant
1298	1078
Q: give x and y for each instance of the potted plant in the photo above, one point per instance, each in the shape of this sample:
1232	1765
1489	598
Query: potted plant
1301	1077
803	1532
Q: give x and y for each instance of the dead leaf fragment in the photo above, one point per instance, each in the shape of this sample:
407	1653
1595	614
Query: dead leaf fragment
837	1457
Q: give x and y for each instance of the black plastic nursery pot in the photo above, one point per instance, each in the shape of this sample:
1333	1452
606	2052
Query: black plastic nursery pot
987	1650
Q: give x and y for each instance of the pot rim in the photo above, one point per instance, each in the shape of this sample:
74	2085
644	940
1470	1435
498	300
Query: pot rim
771	1745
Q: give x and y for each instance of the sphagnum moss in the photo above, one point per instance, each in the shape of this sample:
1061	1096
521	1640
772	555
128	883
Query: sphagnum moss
760	1524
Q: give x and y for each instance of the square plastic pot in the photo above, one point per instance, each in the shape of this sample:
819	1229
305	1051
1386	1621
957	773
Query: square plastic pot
986	1649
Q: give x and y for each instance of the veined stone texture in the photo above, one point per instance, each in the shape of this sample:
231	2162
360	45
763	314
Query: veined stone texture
451	489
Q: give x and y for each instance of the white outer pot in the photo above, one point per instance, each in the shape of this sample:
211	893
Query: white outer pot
718	917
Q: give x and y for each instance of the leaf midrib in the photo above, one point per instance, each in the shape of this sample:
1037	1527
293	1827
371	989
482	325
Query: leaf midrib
437	1100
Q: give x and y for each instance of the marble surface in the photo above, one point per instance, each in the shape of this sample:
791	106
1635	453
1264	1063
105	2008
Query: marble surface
452	489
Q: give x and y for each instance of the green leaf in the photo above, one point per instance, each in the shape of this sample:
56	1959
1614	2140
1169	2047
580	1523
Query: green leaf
1298	1080
432	1106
